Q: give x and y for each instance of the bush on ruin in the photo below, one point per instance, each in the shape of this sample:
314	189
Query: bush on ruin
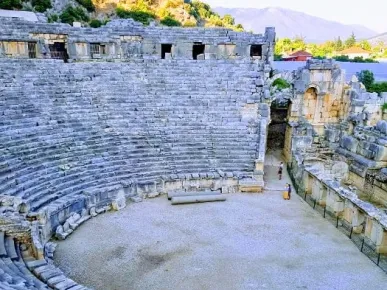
189	23
10	4
95	23
141	16
41	5
170	21
281	84
88	4
52	18
71	14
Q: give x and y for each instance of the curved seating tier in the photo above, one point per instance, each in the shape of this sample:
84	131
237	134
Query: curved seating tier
67	128
20	271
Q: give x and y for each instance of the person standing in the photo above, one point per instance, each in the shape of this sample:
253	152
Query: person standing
289	190
280	168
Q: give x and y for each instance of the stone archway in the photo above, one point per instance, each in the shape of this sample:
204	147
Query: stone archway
279	112
310	104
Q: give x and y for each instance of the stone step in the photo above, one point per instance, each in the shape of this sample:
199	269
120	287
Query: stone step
10	247
3	251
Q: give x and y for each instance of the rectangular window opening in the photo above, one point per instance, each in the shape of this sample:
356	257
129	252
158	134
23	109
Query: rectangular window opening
58	51
102	49
165	48
197	49
256	50
32	49
97	49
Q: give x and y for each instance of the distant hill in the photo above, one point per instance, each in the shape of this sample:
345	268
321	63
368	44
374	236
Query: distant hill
378	38
95	13
289	23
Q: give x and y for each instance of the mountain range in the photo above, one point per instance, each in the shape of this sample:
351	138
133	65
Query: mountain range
378	38
289	23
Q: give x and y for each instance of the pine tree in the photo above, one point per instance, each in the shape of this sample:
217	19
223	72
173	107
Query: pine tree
351	41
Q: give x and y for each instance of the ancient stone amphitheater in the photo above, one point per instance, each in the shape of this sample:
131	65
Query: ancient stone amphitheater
93	118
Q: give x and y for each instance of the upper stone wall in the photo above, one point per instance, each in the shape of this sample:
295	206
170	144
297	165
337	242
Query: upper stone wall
125	39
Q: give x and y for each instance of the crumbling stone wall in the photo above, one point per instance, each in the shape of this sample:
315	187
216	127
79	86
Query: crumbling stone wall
338	148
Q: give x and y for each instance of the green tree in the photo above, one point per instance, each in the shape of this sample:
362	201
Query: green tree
71	14
367	78
10	4
88	4
339	44
41	5
283	45
351	41
298	43
228	19
364	44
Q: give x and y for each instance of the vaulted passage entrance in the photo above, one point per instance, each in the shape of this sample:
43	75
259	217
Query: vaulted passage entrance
278	125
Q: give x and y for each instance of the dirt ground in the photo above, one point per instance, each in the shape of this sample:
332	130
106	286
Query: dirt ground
250	241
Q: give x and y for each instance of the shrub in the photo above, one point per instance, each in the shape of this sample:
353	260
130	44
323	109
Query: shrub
281	84
174	3
53	18
367	78
95	23
384	106
10	4
277	57
141	16
71	14
189	23
170	21
358	59
88	4
41	5
378	87
239	27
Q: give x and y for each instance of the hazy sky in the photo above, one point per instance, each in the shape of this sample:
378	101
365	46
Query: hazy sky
370	13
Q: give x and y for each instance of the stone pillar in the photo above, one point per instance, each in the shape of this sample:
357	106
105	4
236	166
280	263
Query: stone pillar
334	203
377	234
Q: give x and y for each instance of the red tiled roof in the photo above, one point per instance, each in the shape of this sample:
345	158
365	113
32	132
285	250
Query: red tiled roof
354	49
301	53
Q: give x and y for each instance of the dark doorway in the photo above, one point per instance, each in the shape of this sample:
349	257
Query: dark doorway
165	48
255	50
32	49
58	51
277	127
198	48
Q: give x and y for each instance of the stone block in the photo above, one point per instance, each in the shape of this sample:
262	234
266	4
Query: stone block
250	186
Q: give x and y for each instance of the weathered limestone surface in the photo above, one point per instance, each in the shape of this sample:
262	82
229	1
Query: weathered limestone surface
91	126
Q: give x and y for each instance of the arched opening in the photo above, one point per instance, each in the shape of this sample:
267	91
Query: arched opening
310	104
279	112
278	143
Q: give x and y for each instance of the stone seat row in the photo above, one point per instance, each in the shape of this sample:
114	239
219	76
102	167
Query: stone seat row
48	273
45	192
13	272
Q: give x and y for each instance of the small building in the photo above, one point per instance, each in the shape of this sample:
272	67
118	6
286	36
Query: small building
300	55
355	51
